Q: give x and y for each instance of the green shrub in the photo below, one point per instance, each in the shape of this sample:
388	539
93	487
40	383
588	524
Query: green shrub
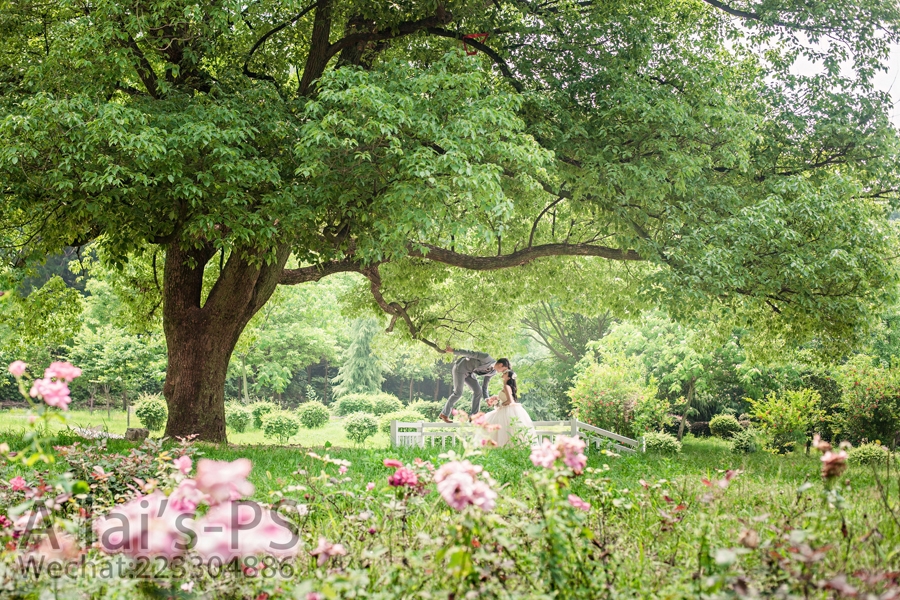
787	418
605	395
385	403
651	414
354	403
384	423
868	454
662	443
430	410
260	409
280	425
313	415
697	428
360	427
869	407
237	417
152	412
744	442
724	426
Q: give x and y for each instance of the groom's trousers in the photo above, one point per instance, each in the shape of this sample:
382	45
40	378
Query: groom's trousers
462	374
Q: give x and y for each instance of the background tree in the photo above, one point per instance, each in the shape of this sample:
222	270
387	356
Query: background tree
361	372
225	138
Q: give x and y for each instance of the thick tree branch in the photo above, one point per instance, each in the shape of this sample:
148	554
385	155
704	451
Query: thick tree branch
441	17
317	272
518	258
393	308
743	14
318	55
143	67
262	40
490	52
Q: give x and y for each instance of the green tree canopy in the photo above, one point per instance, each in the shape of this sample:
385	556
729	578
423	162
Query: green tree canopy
667	137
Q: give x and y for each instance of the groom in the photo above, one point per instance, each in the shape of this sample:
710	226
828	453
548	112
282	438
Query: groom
465	368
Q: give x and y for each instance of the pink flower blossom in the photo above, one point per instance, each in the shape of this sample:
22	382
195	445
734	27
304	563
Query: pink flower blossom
224	481
5	522
403	477
370	486
146	527
54	393
187	587
545	455
326	550
17	484
392	463
314	596
572	450
833	464
458	486
17	368
58	546
186	497
343	469
63	371
579	503
183	464
240	529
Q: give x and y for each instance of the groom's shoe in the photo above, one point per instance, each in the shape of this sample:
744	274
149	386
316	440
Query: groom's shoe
445	419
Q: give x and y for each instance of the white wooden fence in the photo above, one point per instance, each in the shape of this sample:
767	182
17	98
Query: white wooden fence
423	433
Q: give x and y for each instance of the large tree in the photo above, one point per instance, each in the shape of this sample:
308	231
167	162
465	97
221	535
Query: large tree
273	142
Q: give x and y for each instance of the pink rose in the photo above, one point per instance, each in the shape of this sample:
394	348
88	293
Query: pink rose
54	393
342	470
403	477
186	497
240	529
183	464
579	503
326	550
545	455
458	486
17	368
370	486
17	484
63	371
146	527
392	463
224	481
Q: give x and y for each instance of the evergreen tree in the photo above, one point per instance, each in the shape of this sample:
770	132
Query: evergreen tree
361	371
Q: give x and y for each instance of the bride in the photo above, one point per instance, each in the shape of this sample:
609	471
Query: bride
508	420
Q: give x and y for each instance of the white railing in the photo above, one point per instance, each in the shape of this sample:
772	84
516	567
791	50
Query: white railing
424	434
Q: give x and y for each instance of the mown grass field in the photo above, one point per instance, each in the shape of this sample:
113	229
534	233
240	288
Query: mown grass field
117	422
667	522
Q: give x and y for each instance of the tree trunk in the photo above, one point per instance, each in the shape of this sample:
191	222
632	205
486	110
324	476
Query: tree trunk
125	404
410	389
437	388
690	398
325	398
200	336
244	380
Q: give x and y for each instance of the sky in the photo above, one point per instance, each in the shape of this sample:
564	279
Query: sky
888	81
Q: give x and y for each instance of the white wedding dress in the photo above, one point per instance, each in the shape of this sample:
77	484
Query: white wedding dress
508	421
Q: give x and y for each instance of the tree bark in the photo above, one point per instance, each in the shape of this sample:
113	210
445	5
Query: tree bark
690	398
201	336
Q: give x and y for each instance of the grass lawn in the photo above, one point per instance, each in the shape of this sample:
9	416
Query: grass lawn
653	518
117	422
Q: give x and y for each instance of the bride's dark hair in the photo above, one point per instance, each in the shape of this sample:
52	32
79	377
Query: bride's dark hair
511	382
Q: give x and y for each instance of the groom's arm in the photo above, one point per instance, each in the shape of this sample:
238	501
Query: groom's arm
484	384
483	356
